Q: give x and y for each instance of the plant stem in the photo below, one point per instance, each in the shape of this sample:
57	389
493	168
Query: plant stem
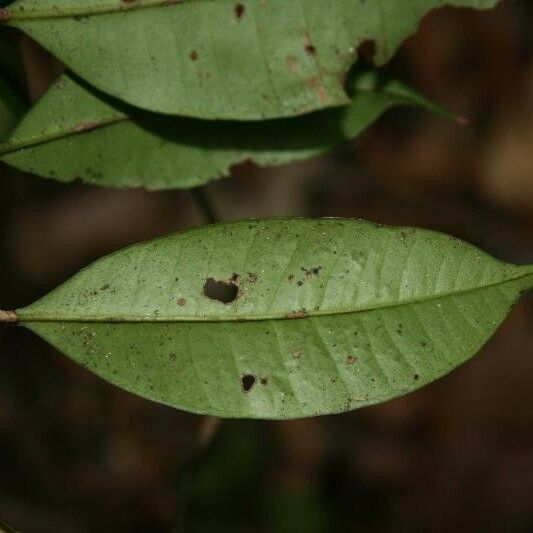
8	317
205	205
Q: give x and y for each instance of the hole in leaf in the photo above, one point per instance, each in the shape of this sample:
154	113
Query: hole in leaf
367	50
248	381
221	291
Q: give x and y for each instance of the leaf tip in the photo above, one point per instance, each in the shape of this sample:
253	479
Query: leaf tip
8	317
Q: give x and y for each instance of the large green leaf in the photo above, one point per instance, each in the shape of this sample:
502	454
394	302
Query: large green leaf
280	318
75	133
252	59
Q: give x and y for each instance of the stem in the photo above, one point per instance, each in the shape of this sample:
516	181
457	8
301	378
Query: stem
8	317
205	205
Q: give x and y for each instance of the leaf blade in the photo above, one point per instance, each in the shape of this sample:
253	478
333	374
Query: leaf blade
75	133
232	364
276	59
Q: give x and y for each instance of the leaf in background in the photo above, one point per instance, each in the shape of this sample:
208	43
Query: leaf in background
4	528
252	59
12	104
10	60
280	318
11	108
75	133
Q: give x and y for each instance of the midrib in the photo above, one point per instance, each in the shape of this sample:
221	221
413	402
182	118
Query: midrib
9	15
28	317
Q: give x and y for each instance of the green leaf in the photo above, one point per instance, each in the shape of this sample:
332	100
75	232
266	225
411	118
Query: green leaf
321	316
4	528
252	59
73	132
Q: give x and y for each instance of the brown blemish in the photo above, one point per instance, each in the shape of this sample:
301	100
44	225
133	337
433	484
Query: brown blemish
291	277
264	381
416	377
239	11
182	302
301	313
252	278
309	47
292	64
247	382
315	84
314	271
86	126
350	359
193	55
297	354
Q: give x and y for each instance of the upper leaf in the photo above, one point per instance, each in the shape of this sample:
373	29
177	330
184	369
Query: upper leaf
280	318
252	59
73	132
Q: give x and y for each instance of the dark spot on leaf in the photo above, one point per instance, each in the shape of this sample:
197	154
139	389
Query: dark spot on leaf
239	11
247	381
264	381
252	278
104	287
416	377
182	302
221	291
350	359
301	313
193	55
297	354
291	277
300	283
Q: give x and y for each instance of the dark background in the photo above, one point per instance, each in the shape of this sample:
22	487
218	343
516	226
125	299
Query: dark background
78	455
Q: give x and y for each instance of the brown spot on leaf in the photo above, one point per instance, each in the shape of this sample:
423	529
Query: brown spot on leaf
193	55
264	381
350	359
239	11
309	47
86	126
301	313
292	64
315	83
182	302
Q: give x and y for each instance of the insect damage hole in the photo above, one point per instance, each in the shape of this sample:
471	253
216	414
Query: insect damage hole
247	382
221	291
